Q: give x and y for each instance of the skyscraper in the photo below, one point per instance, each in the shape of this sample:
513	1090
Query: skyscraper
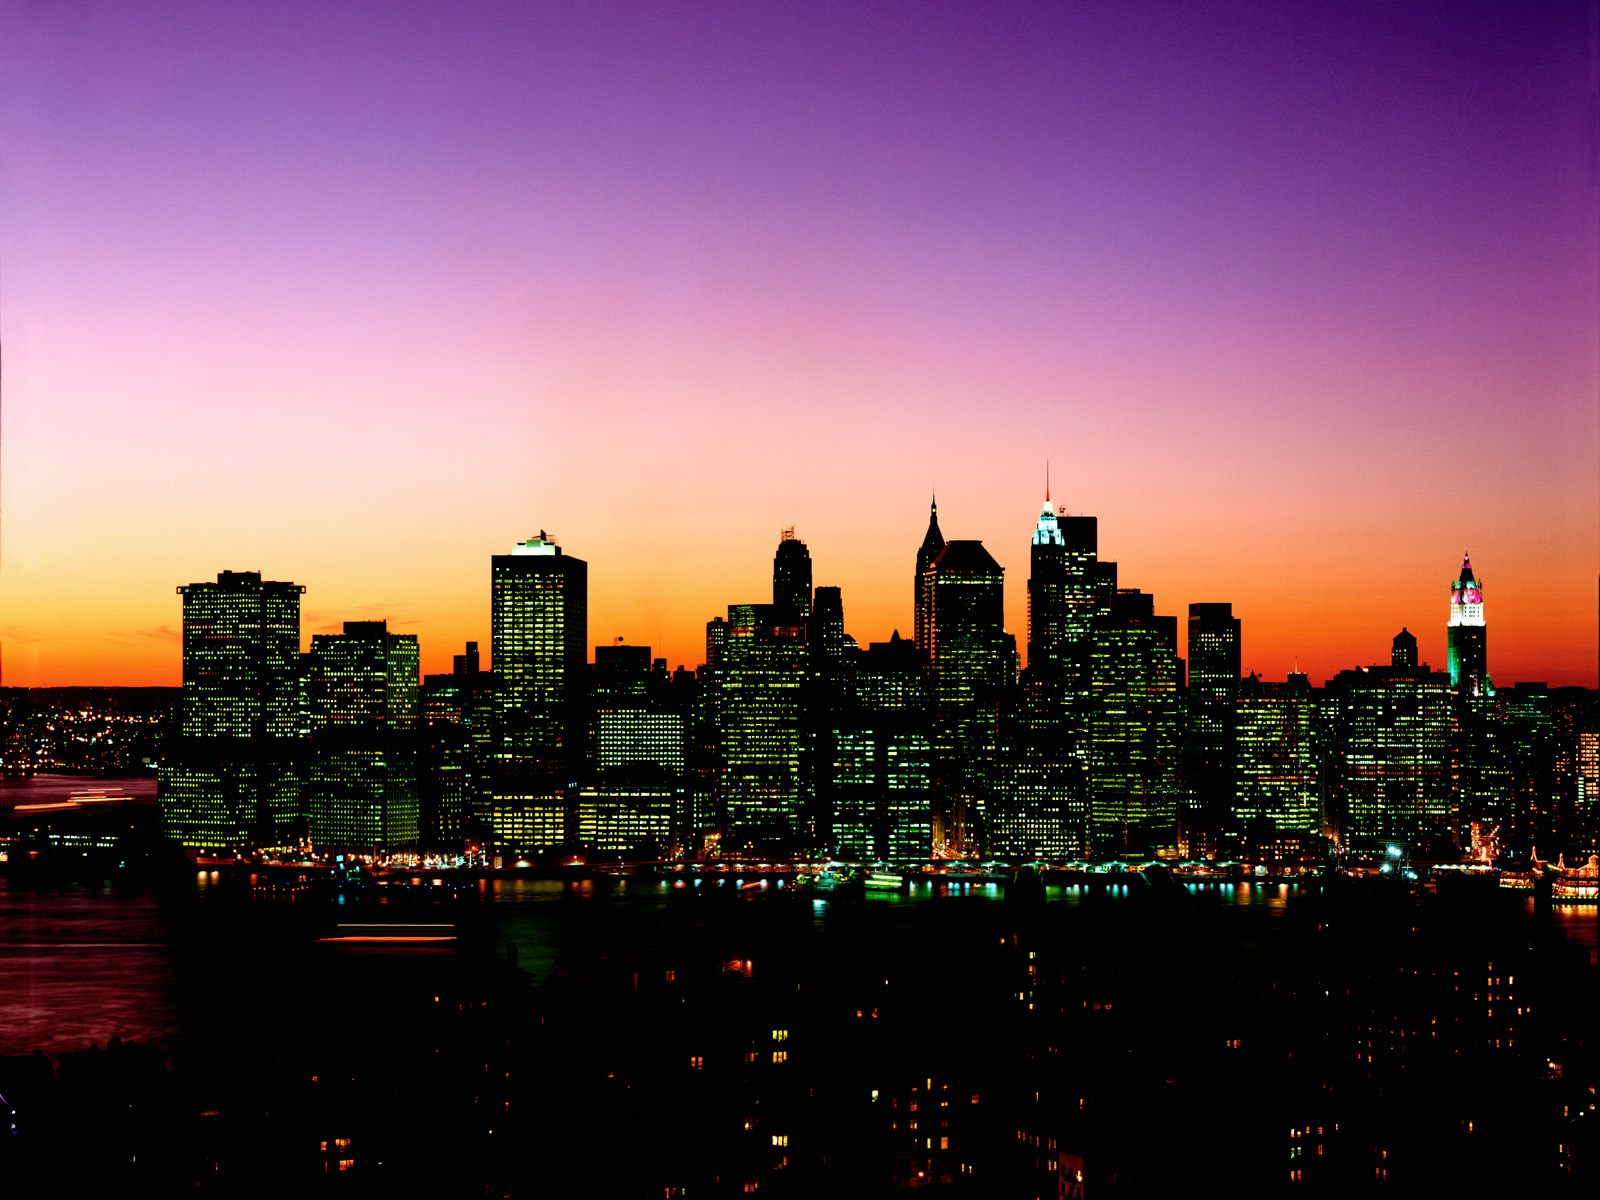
1276	781
363	695
1134	726
1467	635
970	650
974	662
539	637
1389	761
791	577
230	777
922	603
1047	610
1213	690
754	685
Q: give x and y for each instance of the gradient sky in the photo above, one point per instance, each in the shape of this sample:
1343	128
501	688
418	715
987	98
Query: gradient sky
1301	300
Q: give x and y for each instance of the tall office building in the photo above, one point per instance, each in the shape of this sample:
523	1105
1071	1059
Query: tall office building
637	725
539	639
1048	642
831	647
971	653
1467	635
1212	692
1276	781
791	577
459	722
922	603
1389	765
1135	726
230	778
974	663
363	695
754	686
1040	810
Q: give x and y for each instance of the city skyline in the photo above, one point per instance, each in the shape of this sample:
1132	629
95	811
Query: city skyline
436	660
1300	304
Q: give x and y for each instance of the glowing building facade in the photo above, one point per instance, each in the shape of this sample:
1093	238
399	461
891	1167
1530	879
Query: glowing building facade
1467	635
1390	767
539	629
231	776
363	694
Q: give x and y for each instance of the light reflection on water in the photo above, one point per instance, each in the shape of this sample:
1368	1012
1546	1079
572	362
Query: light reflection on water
80	964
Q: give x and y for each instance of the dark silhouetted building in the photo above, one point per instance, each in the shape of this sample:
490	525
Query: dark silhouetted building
1404	651
1213	688
922	602
791	577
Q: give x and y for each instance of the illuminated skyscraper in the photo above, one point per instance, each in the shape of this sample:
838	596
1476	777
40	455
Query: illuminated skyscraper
241	657
875	767
1069	596
1389	762
754	686
363	693
974	663
230	779
1048	638
791	577
1276	781
1467	635
932	544
1135	727
539	635
459	720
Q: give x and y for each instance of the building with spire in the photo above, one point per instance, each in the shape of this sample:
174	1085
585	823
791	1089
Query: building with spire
932	544
1047	614
1467	636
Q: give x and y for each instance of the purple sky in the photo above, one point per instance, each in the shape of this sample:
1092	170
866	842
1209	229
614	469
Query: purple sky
1301	300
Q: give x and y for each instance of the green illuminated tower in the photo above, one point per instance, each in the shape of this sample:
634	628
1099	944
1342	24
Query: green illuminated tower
363	696
1467	636
230	776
